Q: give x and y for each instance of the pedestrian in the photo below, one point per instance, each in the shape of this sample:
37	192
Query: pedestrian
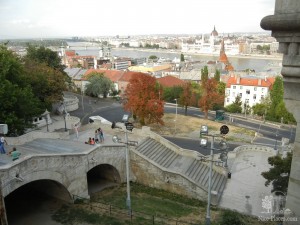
14	154
93	141
2	142
101	135
96	136
76	128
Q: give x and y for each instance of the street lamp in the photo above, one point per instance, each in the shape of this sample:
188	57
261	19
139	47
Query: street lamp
116	139
223	148
176	115
275	147
65	115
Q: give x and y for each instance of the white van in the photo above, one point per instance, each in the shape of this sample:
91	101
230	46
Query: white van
92	119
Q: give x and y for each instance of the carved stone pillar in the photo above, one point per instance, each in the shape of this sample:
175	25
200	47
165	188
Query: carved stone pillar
285	27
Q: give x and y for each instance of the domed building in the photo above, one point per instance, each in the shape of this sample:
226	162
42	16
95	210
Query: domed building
214	32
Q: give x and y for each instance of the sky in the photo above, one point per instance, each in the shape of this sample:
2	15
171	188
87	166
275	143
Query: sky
67	18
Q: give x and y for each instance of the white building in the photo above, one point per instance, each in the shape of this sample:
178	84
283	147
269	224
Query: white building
251	89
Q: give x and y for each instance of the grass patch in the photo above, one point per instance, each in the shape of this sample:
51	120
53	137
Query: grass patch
148	205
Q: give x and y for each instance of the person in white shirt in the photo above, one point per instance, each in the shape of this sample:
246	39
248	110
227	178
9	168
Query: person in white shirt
2	142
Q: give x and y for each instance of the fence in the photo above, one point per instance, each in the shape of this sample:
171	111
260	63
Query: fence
135	217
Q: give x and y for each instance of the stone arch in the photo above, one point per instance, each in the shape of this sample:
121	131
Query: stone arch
35	198
102	176
53	177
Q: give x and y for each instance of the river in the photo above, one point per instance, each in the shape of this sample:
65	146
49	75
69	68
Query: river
240	63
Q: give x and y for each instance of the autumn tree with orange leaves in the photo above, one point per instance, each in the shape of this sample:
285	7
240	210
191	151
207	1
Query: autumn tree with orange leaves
210	96
188	96
142	95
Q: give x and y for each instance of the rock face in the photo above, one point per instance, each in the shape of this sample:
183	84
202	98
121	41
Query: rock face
285	27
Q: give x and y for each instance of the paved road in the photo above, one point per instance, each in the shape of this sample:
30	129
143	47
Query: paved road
193	144
113	111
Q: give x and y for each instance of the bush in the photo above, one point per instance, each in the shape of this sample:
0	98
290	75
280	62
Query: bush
230	218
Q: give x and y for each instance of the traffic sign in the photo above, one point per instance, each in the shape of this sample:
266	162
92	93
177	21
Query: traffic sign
129	126
224	129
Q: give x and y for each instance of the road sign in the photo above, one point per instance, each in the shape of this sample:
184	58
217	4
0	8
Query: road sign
129	126
224	129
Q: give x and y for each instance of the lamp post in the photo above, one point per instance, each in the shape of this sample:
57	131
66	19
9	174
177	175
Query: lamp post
275	147
176	115
65	115
223	147
115	139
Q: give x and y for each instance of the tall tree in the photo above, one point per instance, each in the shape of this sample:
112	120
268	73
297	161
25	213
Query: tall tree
204	74
171	93
217	75
182	57
47	83
210	96
187	97
99	84
277	109
18	103
279	173
276	95
44	55
143	99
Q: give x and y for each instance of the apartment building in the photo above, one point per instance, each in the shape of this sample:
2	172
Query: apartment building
251	89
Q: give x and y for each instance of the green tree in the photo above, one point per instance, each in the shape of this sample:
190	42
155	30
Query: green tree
44	55
18	103
153	58
278	175
236	106
47	83
277	109
204	74
182	58
217	75
98	84
259	109
171	93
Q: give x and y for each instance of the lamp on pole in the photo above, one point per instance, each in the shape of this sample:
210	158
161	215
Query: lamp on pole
223	147
275	147
116	139
176	115
65	115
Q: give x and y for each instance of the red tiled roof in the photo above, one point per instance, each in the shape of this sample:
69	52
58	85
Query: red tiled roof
113	75
170	81
267	82
70	53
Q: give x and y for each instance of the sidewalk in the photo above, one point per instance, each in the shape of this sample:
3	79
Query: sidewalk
246	189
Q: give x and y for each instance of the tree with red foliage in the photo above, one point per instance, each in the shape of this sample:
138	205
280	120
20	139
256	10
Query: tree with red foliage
210	96
187	98
142	95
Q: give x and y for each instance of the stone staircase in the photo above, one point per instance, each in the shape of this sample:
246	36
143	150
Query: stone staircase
189	167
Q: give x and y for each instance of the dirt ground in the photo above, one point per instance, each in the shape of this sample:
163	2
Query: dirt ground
189	127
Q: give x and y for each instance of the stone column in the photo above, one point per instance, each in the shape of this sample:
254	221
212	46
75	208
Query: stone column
285	27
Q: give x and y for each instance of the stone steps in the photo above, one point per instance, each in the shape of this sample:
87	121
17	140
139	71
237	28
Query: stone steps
192	169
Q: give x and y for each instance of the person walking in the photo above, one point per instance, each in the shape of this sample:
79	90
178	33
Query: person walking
97	136
14	154
2	142
101	135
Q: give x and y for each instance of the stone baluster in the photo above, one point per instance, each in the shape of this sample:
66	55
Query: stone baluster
285	27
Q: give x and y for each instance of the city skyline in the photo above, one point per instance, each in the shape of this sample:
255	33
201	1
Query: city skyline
43	18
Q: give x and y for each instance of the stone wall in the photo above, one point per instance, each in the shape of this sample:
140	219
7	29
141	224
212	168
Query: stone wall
69	170
285	27
150	175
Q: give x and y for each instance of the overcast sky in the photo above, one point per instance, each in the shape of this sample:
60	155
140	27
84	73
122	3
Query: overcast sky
57	18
